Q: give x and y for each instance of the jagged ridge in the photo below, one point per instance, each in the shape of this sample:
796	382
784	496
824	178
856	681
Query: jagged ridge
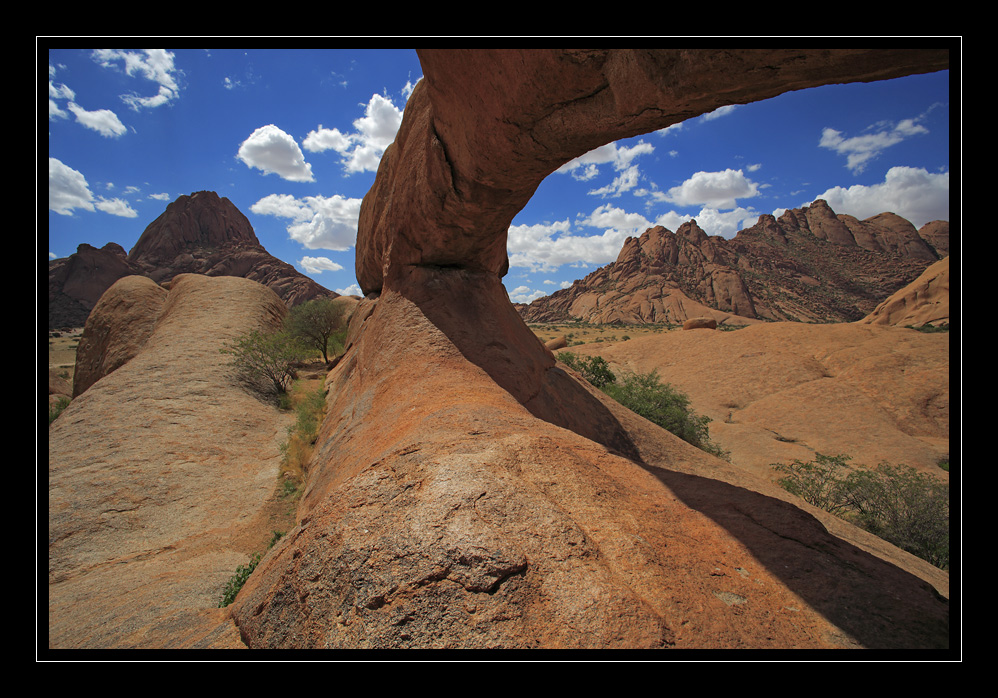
810	265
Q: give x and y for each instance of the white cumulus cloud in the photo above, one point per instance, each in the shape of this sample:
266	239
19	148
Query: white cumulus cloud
68	189
317	265
317	222
273	151
719	190
547	246
524	294
116	207
362	149
104	121
911	192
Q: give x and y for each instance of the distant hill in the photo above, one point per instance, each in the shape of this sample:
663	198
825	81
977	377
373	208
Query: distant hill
808	265
202	233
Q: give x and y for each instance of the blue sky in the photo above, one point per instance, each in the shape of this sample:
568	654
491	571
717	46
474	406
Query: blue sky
293	138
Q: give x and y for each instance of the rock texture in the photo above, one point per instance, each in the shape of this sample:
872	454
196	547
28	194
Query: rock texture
925	301
467	492
776	392
809	265
159	477
117	328
77	282
201	234
486	126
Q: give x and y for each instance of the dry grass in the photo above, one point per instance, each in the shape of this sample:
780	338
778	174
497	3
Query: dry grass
307	398
62	351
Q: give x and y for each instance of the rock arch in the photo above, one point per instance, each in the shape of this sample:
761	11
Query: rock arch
466	492
485	126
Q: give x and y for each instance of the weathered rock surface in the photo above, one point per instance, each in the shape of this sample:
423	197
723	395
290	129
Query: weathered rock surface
198	234
783	391
468	492
925	301
77	282
485	127
117	328
159	478
809	265
441	512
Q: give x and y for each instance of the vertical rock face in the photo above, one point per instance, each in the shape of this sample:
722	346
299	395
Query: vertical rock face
469	492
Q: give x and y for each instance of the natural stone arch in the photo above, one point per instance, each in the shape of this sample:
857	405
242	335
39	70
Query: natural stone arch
451	501
485	126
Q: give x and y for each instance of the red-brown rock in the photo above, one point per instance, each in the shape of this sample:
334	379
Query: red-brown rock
202	233
925	301
467	492
700	323
809	265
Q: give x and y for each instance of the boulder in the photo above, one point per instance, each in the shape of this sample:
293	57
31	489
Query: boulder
698	323
117	328
556	343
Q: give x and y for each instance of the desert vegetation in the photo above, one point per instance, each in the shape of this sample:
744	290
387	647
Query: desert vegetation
646	395
314	328
243	572
309	405
905	507
319	324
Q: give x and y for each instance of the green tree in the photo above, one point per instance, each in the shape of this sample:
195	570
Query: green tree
267	356
661	403
904	506
594	369
819	482
318	323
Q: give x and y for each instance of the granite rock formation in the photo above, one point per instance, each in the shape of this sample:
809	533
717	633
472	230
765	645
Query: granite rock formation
466	492
809	265
117	328
77	282
925	301
160	477
202	233
781	391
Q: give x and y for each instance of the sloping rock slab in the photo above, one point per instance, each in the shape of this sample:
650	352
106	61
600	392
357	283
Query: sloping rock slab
159	479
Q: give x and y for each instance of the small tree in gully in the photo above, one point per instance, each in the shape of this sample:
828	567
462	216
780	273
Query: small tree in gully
267	356
317	323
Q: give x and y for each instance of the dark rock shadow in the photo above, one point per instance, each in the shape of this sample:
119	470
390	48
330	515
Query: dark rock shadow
877	604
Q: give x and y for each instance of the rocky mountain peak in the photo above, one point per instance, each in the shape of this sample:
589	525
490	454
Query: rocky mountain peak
203	221
202	233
